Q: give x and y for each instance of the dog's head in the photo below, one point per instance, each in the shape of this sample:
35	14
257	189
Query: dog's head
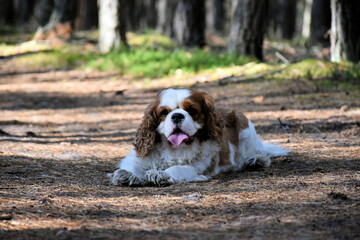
178	116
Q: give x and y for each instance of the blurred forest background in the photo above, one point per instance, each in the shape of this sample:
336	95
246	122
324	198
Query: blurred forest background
156	38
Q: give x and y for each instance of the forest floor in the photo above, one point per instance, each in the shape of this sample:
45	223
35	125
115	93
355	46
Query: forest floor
61	132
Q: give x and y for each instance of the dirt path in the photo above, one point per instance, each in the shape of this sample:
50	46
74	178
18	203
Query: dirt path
62	132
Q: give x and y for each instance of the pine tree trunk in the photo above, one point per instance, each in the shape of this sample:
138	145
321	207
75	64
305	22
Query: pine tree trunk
306	19
210	17
248	28
165	16
320	21
42	11
215	14
275	19
109	25
289	19
150	14
88	14
189	23
219	15
60	25
229	9
345	31
23	11
6	12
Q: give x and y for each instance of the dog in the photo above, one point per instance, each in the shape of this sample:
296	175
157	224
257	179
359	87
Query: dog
184	137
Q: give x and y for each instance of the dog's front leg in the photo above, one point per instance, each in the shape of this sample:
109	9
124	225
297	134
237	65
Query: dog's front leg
130	172
184	173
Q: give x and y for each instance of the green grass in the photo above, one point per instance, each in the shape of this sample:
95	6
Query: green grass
150	55
152	63
146	62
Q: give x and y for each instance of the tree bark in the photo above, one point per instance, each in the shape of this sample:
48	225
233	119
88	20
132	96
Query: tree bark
189	23
320	21
42	11
6	12
210	17
289	18
248	28
165	16
345	32
88	14
306	19
282	19
60	25
23	11
229	9
275	19
219	15
109	25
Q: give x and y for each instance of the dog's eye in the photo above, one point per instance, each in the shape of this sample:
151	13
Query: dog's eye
192	111
164	113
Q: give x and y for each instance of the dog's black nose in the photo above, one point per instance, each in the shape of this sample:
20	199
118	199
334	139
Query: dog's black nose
177	118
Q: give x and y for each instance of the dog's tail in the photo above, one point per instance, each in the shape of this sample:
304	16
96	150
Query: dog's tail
256	152
273	150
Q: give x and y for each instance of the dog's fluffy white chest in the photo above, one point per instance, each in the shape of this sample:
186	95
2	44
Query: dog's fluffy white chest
165	156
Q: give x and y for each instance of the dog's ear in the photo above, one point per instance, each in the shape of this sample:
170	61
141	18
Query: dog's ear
214	124
145	137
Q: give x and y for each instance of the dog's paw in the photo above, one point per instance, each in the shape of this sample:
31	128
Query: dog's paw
158	178
122	177
198	178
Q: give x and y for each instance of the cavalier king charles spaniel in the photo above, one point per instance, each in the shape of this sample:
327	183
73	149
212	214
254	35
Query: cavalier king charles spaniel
184	137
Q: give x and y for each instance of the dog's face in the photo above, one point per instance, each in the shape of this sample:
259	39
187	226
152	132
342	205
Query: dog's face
179	116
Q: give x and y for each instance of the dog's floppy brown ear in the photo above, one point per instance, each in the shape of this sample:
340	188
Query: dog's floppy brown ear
213	122
145	136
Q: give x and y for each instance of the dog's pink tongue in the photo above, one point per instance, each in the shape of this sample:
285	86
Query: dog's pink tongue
177	138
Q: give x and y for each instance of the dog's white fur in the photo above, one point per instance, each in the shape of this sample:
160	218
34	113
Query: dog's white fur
168	164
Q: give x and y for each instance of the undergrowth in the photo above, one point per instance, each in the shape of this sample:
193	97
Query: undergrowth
151	55
152	62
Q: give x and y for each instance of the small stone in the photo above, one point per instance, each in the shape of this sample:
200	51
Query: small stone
344	108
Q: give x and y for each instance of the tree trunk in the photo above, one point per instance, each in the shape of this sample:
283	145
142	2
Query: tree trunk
88	14
109	25
141	14
124	8
289	18
6	12
165	16
282	19
320	21
23	11
60	24
219	15
210	17
307	19
345	32
248	28
42	11
229	9
275	19
150	14
189	23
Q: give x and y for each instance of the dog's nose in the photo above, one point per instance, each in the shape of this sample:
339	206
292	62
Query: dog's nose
177	118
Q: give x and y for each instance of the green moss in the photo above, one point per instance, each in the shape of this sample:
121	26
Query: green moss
309	69
149	39
318	69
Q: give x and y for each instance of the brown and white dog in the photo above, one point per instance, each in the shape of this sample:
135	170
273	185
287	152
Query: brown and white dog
183	137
